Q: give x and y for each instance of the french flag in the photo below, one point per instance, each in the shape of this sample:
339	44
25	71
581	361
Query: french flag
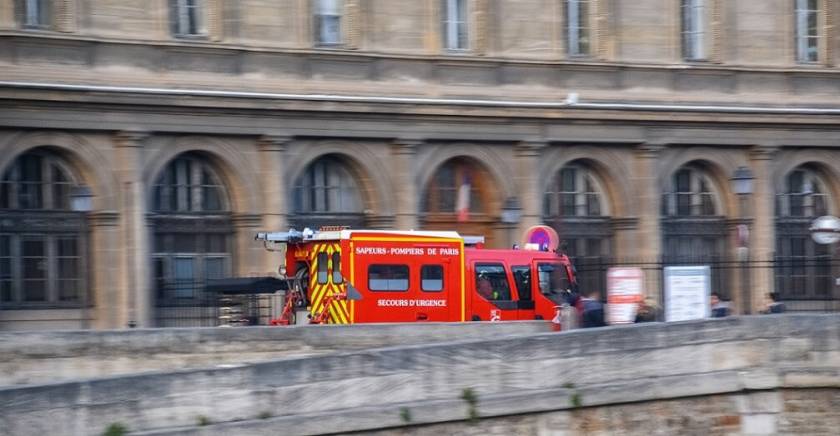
462	204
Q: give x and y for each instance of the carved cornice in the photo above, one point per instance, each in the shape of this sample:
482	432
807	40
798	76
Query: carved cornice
406	146
247	220
104	219
650	150
277	143
763	152
131	138
530	148
625	223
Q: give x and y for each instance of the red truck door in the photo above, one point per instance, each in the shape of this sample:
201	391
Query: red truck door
492	296
522	277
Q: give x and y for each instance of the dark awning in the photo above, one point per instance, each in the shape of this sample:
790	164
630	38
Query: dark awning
247	285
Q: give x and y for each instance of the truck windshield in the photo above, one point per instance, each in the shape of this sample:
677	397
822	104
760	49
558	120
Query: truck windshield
553	281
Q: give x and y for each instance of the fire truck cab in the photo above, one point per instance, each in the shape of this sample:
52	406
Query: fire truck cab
344	276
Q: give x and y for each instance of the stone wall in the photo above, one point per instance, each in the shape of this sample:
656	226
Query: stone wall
762	368
50	357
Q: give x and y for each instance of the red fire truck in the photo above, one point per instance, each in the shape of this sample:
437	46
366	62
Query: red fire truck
343	276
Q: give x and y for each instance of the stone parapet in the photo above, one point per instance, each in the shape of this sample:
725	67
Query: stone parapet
578	371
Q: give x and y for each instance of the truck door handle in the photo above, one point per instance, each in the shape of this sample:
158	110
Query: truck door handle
422	316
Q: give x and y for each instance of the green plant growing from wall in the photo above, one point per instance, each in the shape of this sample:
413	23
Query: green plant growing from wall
115	429
405	415
203	421
468	395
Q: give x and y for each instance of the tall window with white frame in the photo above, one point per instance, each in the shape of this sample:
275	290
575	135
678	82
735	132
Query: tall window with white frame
37	14
187	18
575	204
455	25
807	31
192	238
694	29
577	27
42	241
804	270
328	26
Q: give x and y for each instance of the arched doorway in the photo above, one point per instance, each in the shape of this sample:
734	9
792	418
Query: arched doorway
575	204
804	271
43	242
694	224
440	200
192	234
327	193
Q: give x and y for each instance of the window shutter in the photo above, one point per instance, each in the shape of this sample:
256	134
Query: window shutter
213	14
827	37
601	28
11	12
352	24
717	30
65	15
477	28
174	17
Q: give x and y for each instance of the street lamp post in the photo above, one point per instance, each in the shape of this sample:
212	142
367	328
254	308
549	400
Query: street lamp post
511	215
742	185
81	200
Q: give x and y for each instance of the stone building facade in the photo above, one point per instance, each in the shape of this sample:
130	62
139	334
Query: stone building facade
196	123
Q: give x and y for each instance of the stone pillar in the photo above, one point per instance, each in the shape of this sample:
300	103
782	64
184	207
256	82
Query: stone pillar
380	222
106	273
275	194
7	14
763	229
406	185
624	229
136	296
527	165
649	234
249	254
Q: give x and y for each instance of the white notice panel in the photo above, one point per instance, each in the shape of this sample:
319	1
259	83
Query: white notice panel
687	291
624	293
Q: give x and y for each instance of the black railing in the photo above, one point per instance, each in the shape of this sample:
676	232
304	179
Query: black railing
803	283
191	304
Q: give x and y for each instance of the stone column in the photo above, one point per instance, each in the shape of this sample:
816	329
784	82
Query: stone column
136	296
380	222
275	194
406	190
763	229
649	234
250	255
527	165
7	14
106	273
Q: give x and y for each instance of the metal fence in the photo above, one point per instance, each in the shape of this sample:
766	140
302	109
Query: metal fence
804	284
190	304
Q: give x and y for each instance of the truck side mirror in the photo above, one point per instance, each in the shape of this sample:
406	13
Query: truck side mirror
353	294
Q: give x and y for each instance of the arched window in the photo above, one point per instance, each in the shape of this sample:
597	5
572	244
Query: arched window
803	268
478	192
442	192
328	194
574	203
691	194
804	195
192	238
42	241
693	226
574	192
327	186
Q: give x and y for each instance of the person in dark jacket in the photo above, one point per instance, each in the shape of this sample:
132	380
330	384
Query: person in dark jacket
720	309
593	310
775	305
